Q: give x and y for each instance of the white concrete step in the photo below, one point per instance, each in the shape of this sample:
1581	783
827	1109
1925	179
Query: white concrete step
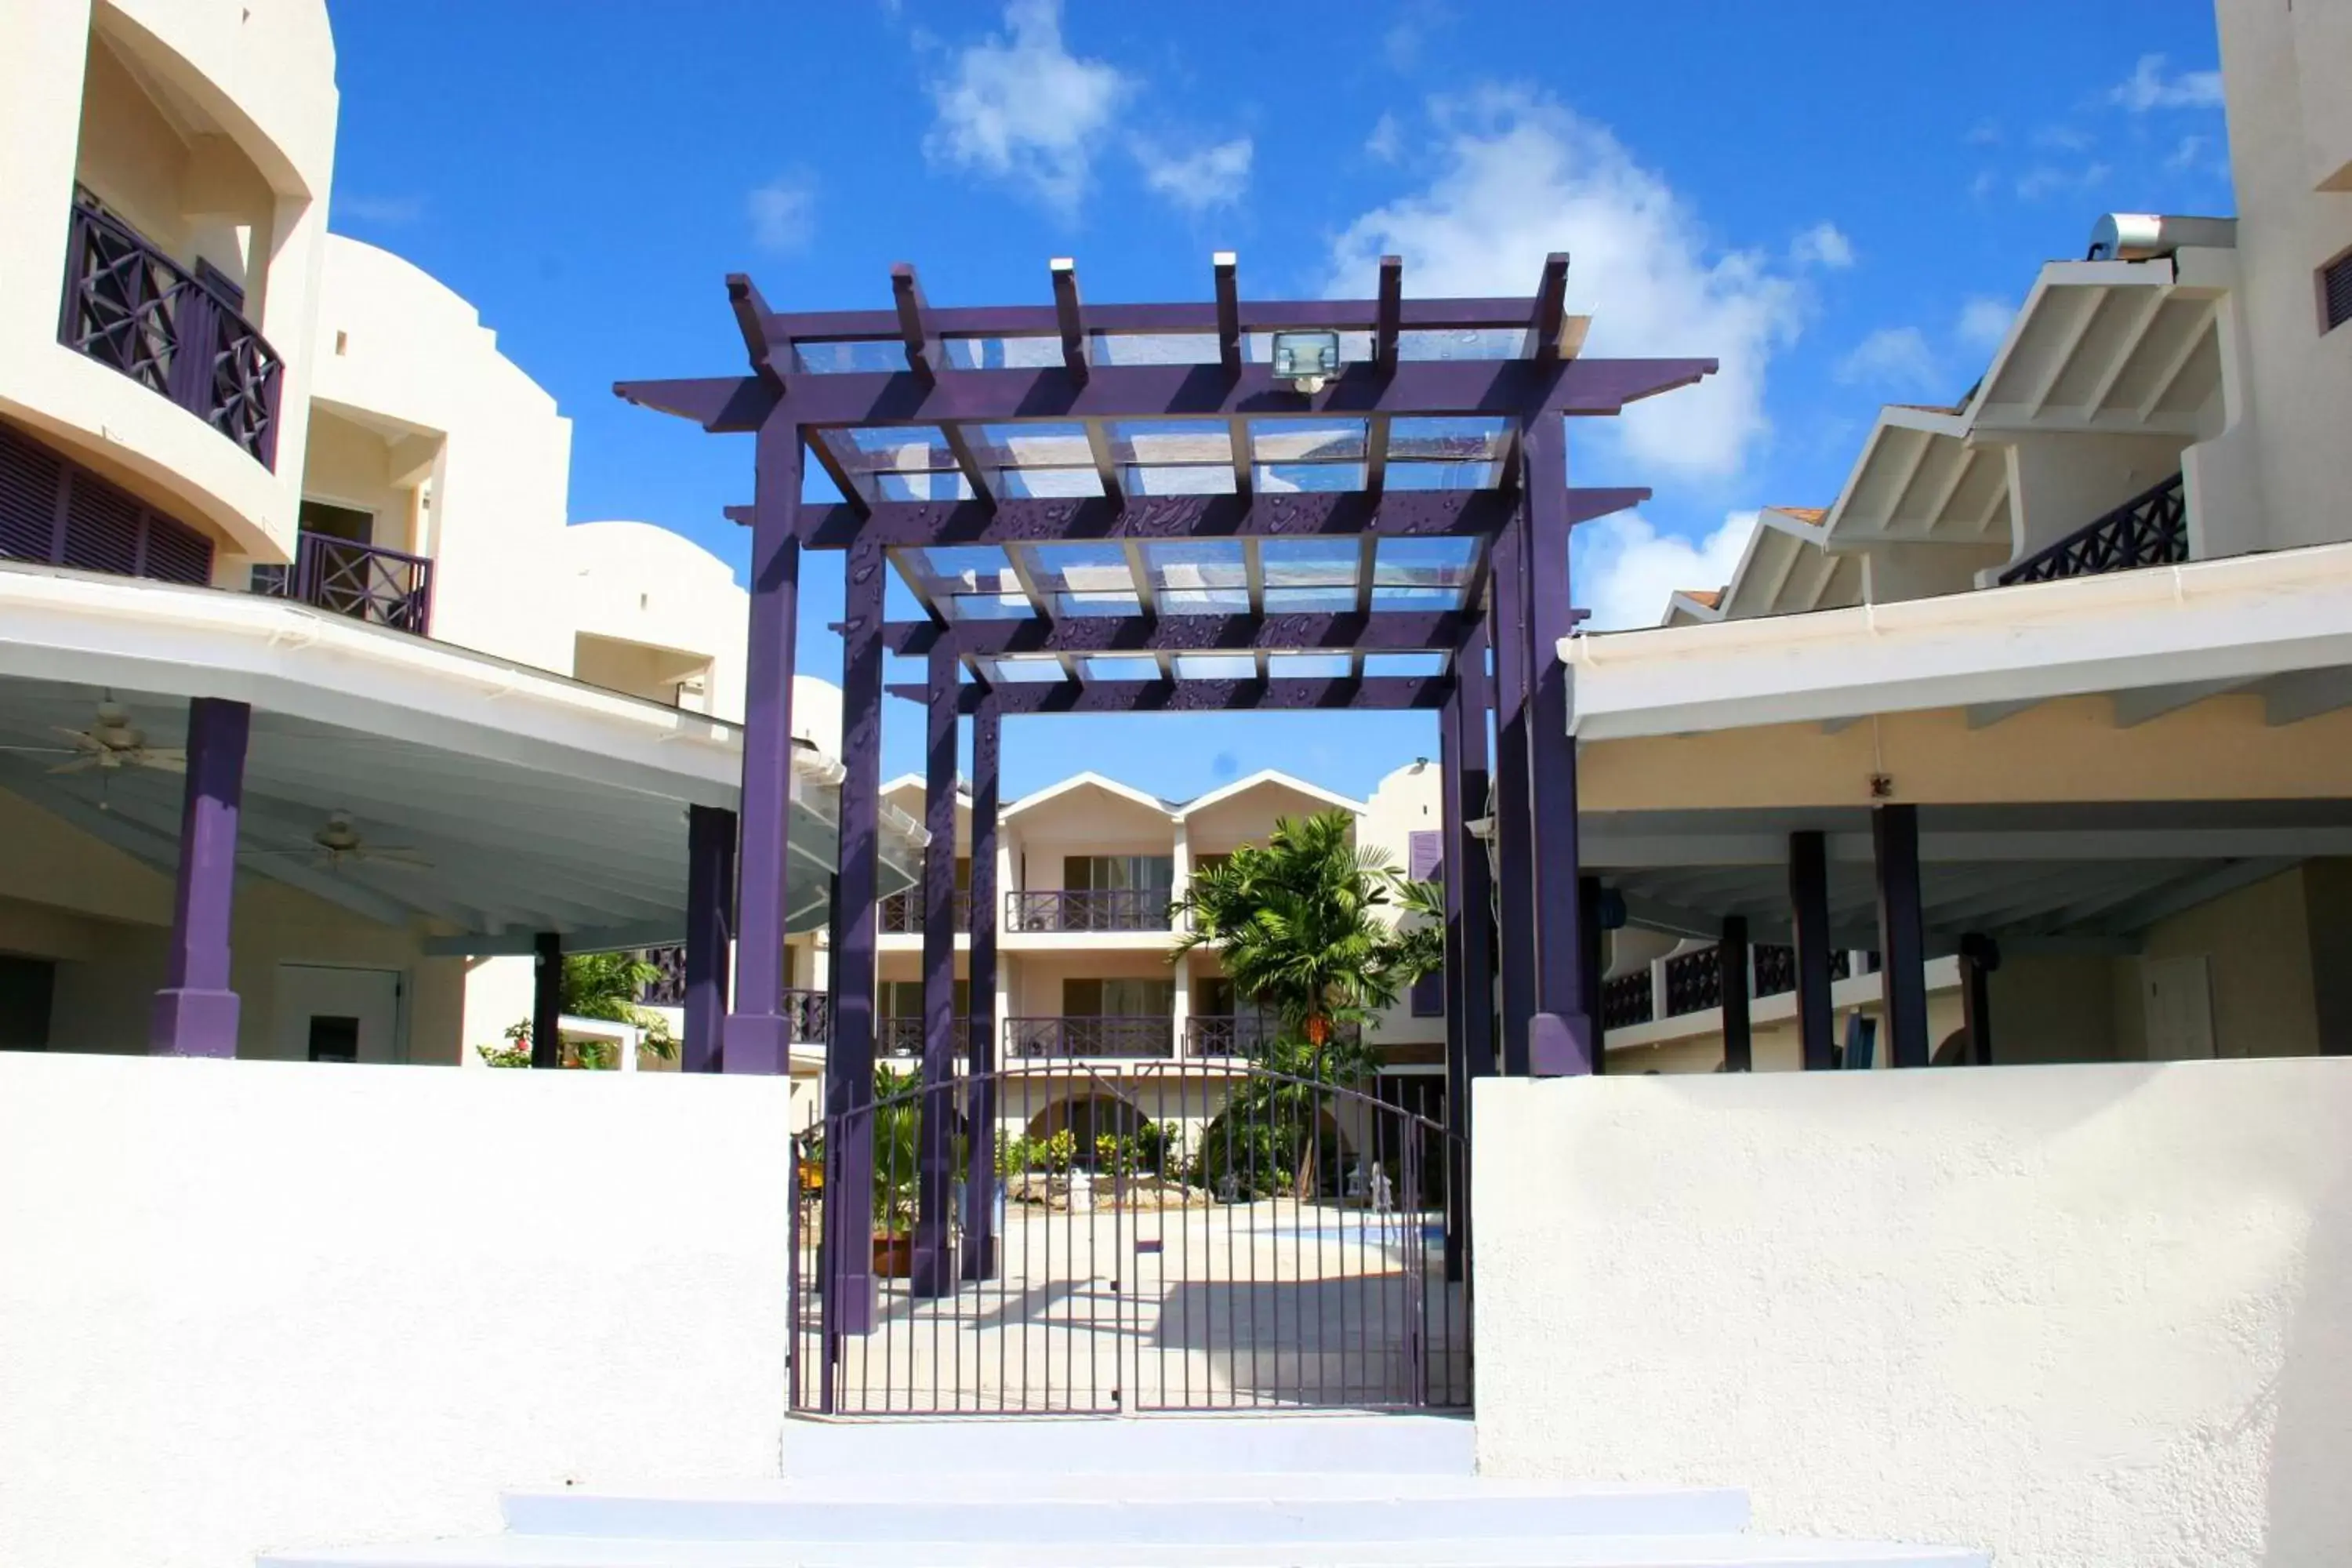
1189	1445
1107	1511
1712	1551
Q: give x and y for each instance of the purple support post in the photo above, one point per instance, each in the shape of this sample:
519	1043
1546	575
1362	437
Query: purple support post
1560	1037
1902	934
1461	986
934	1267
1516	930
979	1106
1467	853
709	910
1731	964
195	1014
849	1055
1809	901
758	1035
547	1000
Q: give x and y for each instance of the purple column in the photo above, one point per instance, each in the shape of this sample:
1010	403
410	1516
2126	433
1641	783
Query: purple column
758	1035
546	1000
1559	1039
1902	934
195	1014
1515	933
709	911
849	1055
1460	983
1731	963
935	1264
1467	852
1809	901
980	1099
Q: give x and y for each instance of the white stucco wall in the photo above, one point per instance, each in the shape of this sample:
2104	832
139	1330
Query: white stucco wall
250	1305
396	346
635	582
2084	1315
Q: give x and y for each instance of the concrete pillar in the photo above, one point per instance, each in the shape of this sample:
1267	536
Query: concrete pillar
546	1000
1902	934
1809	903
709	912
1732	962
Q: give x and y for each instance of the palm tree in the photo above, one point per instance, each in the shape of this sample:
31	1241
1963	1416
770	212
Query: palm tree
1307	928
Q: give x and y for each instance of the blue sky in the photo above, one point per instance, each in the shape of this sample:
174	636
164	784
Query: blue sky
1839	200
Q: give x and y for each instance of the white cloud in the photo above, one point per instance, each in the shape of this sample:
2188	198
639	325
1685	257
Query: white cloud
1210	177
783	213
1387	141
1823	245
1984	134
2065	138
1019	107
1518	176
1626	570
2149	88
1984	322
1981	186
1896	357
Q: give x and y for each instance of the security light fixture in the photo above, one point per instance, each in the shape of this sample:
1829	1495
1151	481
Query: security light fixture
1306	360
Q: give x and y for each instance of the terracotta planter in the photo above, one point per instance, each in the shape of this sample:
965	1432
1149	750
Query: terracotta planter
894	1256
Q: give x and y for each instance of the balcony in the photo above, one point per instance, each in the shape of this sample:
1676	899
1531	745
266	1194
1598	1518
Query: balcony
904	1036
369	583
2149	530
1070	1036
901	914
1088	910
179	333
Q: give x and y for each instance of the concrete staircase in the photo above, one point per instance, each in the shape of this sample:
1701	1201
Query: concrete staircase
1282	1492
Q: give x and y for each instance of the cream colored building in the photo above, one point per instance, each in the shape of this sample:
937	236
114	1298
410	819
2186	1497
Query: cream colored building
2089	620
247	460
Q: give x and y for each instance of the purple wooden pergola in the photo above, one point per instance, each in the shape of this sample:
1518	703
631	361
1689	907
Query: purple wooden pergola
1131	507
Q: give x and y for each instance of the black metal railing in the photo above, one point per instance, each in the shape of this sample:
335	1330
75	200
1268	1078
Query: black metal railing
1694	981
1628	1000
904	1036
1071	1035
1084	910
2149	530
902	914
1776	969
129	306
1242	1034
369	583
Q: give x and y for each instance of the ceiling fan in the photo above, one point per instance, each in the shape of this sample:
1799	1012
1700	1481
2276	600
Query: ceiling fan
112	741
337	842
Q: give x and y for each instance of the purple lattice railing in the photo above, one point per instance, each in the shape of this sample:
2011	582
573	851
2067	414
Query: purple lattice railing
129	306
368	583
902	914
2149	530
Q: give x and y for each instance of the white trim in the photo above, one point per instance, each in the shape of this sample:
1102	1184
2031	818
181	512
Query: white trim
2241	617
1089	778
1267	778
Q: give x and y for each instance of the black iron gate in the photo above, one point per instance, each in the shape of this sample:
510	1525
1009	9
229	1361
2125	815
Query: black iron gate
1075	1237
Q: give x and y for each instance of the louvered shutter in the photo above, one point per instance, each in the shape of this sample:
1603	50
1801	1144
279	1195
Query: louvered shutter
56	512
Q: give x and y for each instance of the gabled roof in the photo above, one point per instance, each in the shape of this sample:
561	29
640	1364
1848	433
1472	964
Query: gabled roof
1267	778
1092	780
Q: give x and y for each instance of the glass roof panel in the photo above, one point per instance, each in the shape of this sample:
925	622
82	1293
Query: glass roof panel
998	353
1416	598
1048	484
1028	667
1203	601
1404	664
1459	343
1041	445
890	449
867	354
961	568
1281	479
1308	562
1190	480
1451	440
1308	666
1150	347
1286	601
1166	441
1423	563
1215	667
1093	567
1120	667
1195	563
1307	440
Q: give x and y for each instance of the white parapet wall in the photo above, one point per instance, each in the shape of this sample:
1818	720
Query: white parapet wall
247	1305
2086	1316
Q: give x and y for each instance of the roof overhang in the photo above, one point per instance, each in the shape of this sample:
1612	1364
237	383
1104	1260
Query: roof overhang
2120	347
527	801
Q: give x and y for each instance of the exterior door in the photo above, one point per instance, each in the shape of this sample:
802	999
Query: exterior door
2176	995
333	1014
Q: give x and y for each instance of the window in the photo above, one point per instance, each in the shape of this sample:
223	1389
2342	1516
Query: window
1115	873
334	1037
904	999
1118	998
2336	292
